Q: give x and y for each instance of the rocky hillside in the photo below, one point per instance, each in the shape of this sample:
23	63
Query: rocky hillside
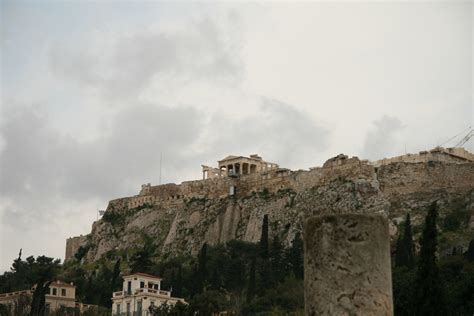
181	222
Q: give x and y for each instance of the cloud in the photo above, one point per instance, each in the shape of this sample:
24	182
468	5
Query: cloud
381	139
124	65
93	93
39	162
275	129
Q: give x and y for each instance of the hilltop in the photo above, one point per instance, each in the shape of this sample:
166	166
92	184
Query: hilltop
231	200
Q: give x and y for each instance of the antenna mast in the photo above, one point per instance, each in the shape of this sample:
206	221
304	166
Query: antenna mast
161	159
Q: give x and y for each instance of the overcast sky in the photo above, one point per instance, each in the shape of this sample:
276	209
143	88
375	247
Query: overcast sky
94	92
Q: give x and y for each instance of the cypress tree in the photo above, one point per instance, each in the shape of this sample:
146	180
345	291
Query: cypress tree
252	284
470	251
196	286
115	283
429	291
38	301
399	252
178	285
276	259
142	260
408	244
202	267
264	267
405	248
295	257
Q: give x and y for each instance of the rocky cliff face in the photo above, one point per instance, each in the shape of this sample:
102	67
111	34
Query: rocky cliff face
204	211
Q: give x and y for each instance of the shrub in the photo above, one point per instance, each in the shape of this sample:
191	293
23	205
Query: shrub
456	219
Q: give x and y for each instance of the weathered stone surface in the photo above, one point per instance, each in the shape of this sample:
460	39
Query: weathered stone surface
73	244
181	218
347	265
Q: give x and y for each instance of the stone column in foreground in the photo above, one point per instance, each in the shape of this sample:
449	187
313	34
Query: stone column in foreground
347	265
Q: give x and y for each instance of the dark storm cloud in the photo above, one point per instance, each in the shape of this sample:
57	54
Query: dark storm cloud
381	140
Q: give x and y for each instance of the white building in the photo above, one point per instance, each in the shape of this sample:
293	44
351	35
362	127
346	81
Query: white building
139	292
60	295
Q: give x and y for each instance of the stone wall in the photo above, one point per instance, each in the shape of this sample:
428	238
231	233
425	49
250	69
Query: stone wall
439	154
272	181
73	244
181	217
405	178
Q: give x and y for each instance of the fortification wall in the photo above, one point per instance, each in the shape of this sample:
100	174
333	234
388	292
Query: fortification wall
73	244
448	155
273	180
342	184
405	178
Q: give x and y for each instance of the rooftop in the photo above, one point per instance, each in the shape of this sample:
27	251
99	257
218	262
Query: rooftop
142	275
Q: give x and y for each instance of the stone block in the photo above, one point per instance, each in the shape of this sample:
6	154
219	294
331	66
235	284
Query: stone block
347	265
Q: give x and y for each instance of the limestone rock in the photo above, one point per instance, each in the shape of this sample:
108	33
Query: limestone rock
347	265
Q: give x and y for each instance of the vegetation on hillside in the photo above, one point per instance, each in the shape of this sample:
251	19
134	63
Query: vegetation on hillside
263	278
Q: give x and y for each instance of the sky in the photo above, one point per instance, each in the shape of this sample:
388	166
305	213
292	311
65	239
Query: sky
93	93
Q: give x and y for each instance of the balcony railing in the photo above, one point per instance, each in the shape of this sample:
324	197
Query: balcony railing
153	291
139	313
16	293
142	290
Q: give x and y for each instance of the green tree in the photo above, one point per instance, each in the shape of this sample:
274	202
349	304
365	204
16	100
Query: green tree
264	238
470	251
178	285
429	291
405	247
403	281
399	251
202	268
38	301
264	266
116	281
142	260
251	287
208	303
294	257
276	259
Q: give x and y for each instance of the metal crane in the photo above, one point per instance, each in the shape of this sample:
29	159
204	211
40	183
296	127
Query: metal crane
466	138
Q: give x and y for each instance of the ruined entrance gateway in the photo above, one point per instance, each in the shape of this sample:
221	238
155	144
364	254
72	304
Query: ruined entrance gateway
238	165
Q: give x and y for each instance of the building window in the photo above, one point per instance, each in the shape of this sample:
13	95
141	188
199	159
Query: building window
63	292
54	291
142	284
118	308
128	309
156	287
129	287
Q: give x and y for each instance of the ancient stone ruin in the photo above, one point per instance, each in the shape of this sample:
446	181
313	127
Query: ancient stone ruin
347	265
231	200
238	166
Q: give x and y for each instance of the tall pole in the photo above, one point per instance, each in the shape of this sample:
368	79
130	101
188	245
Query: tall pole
161	159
